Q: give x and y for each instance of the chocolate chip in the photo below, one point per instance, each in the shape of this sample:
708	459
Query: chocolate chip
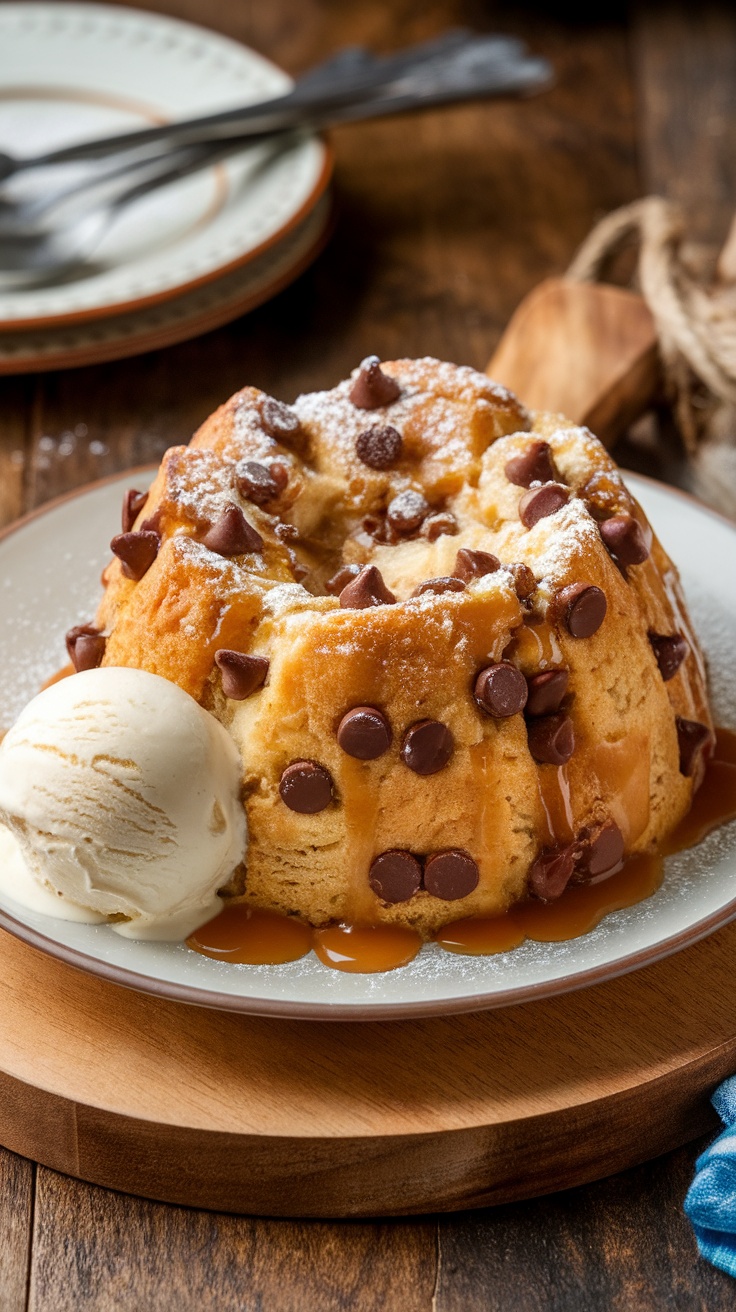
551	739
279	420
443	524
306	787
450	875
395	876
279	473
551	872
524	581
583	607
378	527
298	569
364	732
546	691
407	510
624	537
366	589
539	502
373	388
78	631
152	524
133	503
231	534
341	579
602	851
260	483
379	447
692	738
534	465
501	690
438	586
669	653
86	647
241	674
471	564
136	552
427	747
287	533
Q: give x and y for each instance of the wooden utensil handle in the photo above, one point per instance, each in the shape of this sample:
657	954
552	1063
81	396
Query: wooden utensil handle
587	350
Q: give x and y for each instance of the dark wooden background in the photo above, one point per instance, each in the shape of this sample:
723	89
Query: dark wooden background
445	221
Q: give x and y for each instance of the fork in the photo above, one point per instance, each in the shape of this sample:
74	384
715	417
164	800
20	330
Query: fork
451	67
353	85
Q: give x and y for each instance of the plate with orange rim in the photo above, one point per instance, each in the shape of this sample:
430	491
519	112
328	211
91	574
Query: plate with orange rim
74	71
176	320
50	566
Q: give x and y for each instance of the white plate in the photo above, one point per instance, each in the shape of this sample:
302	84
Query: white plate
50	568
73	71
176	320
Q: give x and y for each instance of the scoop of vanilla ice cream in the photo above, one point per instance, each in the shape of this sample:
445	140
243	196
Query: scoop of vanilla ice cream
124	796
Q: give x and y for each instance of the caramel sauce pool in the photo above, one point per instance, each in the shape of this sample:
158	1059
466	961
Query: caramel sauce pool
366	949
249	936
252	937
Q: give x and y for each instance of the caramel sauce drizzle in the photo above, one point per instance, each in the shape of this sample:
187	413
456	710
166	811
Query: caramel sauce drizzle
623	769
534	647
583	906
554	792
244	934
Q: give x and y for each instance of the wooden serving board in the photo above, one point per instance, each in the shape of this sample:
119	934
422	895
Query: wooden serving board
294	1118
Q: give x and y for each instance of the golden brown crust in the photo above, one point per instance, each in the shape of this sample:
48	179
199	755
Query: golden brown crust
416	659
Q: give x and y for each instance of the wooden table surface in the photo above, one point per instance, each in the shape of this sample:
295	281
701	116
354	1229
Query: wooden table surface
445	221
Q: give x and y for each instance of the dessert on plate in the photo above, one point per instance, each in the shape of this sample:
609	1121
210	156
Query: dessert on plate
401	653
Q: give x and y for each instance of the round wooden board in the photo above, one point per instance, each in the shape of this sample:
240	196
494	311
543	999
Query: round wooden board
294	1118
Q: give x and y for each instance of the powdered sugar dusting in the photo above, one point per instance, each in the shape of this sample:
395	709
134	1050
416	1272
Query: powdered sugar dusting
228	574
339	422
248	432
286	598
489	585
561	537
201	484
578	453
455	380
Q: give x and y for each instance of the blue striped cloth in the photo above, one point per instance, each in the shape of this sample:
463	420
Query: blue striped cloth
711	1199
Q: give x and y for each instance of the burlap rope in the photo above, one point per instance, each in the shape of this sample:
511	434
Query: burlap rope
695	320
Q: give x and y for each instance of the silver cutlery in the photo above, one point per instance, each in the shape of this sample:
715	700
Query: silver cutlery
44	235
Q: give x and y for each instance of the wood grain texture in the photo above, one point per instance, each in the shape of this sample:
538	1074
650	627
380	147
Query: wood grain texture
584	350
684	59
97	1251
623	1245
291	1118
16	401
16	1211
445	221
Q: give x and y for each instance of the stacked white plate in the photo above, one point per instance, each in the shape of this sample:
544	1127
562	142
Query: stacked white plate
195	254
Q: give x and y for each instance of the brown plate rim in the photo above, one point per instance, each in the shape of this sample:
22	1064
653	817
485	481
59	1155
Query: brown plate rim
157	339
114	308
363	1012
